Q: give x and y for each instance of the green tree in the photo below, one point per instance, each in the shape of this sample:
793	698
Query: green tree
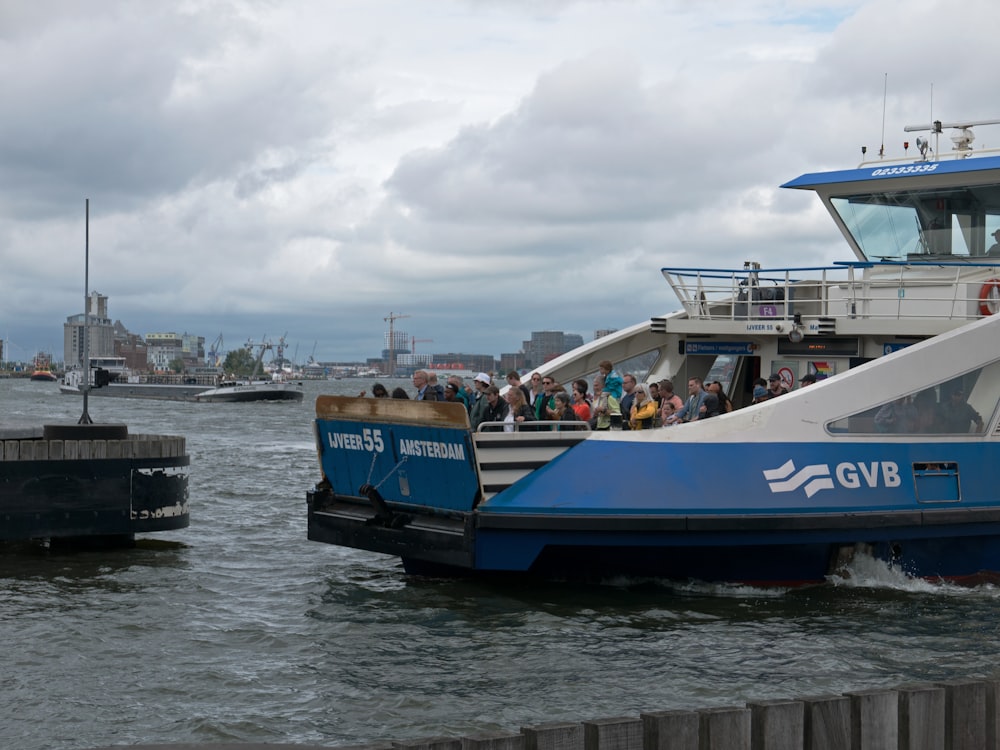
239	362
176	365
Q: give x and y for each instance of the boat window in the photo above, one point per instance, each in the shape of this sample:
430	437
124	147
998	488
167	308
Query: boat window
962	405
640	365
913	225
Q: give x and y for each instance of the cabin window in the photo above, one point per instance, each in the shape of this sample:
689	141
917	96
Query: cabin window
960	406
911	225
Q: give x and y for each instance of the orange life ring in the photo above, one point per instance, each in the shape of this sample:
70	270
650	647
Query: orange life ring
989	297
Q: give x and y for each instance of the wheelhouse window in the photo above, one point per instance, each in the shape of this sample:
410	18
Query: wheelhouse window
922	224
960	406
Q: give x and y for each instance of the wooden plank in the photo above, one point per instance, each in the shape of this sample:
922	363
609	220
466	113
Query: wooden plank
874	720
777	724
670	730
827	722
553	735
724	729
965	714
921	717
613	734
493	741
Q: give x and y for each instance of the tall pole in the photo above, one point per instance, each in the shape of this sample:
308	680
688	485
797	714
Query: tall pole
85	417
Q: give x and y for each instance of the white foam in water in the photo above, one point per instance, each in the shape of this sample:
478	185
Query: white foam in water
865	571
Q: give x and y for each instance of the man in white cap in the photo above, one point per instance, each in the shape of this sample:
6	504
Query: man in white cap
477	412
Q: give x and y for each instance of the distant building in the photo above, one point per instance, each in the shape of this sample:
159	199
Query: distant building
547	345
512	361
463	361
600	333
162	349
100	332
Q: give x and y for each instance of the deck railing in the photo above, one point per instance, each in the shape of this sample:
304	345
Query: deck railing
890	290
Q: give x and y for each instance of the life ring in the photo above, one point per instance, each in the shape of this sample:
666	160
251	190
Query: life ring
989	297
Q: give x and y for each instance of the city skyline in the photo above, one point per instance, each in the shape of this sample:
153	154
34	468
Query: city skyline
300	168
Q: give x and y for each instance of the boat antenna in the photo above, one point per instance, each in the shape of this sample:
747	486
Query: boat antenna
885	91
85	417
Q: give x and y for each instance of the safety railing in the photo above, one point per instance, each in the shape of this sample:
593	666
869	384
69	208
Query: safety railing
884	290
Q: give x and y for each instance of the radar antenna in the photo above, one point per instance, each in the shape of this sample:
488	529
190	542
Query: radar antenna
962	139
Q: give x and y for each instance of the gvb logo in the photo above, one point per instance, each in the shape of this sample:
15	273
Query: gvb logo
816	477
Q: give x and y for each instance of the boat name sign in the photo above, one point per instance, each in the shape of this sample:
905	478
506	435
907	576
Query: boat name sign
370	440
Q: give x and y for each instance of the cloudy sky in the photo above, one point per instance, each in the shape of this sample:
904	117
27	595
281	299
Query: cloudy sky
485	167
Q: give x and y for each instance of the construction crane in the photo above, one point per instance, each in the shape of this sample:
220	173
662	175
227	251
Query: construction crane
391	319
215	353
414	341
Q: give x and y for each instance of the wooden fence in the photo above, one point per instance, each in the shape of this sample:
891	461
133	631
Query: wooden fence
953	715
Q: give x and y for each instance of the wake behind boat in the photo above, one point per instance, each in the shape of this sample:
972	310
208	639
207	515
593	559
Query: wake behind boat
890	454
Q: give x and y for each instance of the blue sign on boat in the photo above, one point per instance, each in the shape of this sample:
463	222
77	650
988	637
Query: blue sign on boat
718	347
893	347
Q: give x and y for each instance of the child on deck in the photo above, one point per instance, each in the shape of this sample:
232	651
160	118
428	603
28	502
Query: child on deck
612	380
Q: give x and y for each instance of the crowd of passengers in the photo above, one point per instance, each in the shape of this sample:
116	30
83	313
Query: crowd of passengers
616	401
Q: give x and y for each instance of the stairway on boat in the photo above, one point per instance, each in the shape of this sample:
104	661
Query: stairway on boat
505	457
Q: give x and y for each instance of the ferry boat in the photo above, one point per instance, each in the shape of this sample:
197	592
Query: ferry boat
891	454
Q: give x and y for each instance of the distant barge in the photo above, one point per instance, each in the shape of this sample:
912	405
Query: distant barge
90	482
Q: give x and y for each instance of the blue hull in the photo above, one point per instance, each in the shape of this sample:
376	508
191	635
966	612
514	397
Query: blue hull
775	513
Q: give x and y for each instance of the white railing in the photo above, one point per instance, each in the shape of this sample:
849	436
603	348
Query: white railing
886	290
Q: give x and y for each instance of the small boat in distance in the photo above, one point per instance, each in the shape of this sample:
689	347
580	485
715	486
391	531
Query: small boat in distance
891	455
42	371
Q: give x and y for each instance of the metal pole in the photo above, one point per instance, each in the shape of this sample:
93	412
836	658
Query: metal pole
85	417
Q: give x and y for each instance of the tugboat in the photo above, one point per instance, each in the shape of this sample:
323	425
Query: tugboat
890	455
43	369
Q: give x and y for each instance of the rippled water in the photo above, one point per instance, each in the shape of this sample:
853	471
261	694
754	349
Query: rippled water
238	628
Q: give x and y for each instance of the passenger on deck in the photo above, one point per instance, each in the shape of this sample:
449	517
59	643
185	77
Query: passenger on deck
774	387
605	406
956	415
654	393
581	405
378	391
544	402
460	390
451	394
808	379
897	416
432	382
514	381
643	410
563	411
518	409
667	412
496	407
725	405
694	408
994	250
477	412
612	380
667	395
424	390
628	396
400	393
536	392
760	392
